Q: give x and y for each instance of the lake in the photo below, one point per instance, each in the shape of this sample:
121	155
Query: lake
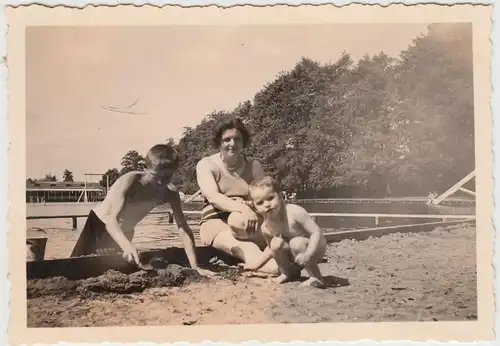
392	207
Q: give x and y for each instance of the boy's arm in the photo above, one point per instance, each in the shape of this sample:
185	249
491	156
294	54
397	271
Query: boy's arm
185	232
310	226
110	218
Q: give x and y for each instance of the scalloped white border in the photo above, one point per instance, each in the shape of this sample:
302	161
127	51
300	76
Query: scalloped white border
4	138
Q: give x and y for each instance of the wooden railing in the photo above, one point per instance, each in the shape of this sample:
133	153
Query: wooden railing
409	200
375	216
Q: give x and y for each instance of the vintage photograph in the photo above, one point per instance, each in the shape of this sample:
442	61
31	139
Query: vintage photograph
189	175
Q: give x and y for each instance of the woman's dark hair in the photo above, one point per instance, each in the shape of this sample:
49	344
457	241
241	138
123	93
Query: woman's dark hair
228	123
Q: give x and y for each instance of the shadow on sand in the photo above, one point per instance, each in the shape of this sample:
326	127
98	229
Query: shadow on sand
330	281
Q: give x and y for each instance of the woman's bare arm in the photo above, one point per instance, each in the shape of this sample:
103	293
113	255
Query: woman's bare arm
257	170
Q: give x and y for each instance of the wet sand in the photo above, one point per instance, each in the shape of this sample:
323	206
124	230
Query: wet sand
401	277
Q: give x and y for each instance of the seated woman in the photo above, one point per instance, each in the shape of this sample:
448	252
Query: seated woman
228	223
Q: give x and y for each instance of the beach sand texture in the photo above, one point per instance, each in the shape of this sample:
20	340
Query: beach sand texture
429	276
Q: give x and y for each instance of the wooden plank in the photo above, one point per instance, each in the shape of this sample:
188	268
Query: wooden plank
76	268
363	234
187	200
69	216
397	216
467	191
195	212
76	216
454	188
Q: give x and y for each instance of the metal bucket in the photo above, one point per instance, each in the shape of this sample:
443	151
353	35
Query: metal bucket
36	243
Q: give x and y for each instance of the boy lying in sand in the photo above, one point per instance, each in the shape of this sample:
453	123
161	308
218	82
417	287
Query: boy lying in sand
110	226
293	238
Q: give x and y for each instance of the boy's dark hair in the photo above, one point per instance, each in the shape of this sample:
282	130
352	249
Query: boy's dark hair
167	156
267	181
228	123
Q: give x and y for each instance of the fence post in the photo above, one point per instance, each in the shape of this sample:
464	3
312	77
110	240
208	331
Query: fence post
170	217
75	223
376	221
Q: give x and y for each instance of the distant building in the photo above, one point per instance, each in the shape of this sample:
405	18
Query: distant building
57	191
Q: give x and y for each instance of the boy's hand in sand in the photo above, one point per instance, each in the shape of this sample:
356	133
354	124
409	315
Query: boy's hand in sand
130	254
205	272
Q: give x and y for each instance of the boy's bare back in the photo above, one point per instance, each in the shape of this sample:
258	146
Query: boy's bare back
131	199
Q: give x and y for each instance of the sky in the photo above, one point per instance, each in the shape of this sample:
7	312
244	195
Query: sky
179	74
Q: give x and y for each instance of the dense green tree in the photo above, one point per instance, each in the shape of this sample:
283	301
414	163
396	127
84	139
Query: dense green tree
132	161
379	127
110	177
67	176
436	106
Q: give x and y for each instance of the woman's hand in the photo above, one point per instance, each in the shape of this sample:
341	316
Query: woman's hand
251	221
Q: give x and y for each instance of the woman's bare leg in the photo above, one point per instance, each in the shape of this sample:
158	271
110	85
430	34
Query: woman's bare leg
218	234
236	222
246	251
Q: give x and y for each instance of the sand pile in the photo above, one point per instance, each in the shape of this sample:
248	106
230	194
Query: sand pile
163	275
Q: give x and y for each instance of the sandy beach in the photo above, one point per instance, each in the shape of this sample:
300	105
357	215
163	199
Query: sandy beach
401	277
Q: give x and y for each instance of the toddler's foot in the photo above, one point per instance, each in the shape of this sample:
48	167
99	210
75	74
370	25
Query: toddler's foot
257	274
287	278
282	279
313	282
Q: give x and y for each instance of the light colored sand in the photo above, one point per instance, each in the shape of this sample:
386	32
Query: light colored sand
400	277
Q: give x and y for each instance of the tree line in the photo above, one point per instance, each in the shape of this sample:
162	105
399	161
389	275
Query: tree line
378	127
67	176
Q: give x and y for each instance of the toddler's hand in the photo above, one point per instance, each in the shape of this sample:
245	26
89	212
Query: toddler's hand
252	221
302	259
